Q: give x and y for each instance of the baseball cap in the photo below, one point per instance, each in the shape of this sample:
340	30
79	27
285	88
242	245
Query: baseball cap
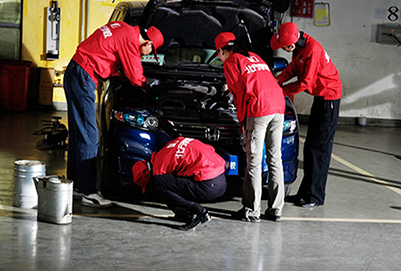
153	34
288	34
223	39
141	174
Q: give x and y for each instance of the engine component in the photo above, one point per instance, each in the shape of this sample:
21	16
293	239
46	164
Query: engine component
55	135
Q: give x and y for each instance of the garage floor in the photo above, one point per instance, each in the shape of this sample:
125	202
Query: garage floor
359	228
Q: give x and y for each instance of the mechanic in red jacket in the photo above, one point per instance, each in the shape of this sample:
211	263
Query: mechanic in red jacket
110	48
317	76
183	173
260	110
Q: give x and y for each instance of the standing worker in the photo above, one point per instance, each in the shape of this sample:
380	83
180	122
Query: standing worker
182	173
260	110
317	76
113	46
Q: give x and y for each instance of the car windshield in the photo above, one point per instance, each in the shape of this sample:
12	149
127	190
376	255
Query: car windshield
183	56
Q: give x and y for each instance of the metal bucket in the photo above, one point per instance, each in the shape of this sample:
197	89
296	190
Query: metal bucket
25	195
54	199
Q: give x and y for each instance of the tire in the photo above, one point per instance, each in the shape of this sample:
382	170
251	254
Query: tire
109	186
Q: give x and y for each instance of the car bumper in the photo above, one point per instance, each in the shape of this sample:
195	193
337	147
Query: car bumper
134	145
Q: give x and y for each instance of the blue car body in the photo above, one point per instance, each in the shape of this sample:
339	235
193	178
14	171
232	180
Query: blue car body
186	94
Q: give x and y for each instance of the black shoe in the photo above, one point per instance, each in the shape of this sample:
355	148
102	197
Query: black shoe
239	215
184	217
275	218
203	217
293	199
309	204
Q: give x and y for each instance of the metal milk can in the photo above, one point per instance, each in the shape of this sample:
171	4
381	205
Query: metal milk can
25	195
54	199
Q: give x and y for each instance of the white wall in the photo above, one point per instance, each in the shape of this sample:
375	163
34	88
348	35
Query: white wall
370	72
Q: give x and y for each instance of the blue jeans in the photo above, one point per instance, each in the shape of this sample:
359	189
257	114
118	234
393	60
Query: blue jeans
83	135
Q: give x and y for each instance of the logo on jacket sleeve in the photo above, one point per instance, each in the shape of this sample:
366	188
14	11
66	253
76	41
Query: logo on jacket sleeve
106	31
326	55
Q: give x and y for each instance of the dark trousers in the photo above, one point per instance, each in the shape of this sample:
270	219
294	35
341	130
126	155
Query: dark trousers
317	149
182	194
82	131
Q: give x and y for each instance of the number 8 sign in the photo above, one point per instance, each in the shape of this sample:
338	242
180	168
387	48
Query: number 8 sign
393	16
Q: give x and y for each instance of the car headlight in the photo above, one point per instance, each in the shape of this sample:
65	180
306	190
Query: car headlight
289	127
138	120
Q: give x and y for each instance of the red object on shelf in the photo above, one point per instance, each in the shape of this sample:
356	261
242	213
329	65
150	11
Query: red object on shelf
302	8
14	84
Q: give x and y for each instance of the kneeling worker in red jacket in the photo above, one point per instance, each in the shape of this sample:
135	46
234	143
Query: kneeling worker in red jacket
183	173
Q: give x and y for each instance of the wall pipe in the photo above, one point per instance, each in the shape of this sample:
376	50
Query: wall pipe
87	19
82	19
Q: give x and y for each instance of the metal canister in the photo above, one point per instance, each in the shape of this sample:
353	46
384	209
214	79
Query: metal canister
54	199
25	195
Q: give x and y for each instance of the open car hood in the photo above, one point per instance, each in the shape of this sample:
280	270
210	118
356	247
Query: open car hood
196	23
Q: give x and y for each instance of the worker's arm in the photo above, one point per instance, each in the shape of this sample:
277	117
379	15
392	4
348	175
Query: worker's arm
306	76
132	65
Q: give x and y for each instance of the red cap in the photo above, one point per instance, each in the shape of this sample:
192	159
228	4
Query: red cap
288	34
155	36
223	39
141	174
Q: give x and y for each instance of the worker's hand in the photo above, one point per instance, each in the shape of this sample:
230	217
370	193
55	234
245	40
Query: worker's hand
145	88
243	131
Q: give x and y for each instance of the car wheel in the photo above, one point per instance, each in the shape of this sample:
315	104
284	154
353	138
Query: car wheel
108	185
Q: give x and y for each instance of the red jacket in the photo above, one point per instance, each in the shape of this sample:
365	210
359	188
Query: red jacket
316	73
188	157
110	48
253	86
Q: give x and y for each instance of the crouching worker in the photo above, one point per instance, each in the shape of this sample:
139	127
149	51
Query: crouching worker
183	173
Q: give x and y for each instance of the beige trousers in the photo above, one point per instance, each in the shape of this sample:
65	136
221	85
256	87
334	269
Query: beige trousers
268	129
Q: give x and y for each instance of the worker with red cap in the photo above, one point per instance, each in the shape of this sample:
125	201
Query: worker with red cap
110	48
183	173
260	110
317	76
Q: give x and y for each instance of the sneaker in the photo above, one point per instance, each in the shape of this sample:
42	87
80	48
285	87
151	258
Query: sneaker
251	218
240	215
96	200
270	217
77	194
309	204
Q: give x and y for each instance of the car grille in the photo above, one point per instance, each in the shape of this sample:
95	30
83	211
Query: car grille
229	134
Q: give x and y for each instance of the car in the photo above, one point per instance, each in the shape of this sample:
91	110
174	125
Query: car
187	89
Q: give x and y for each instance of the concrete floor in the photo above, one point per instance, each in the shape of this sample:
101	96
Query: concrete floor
359	228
